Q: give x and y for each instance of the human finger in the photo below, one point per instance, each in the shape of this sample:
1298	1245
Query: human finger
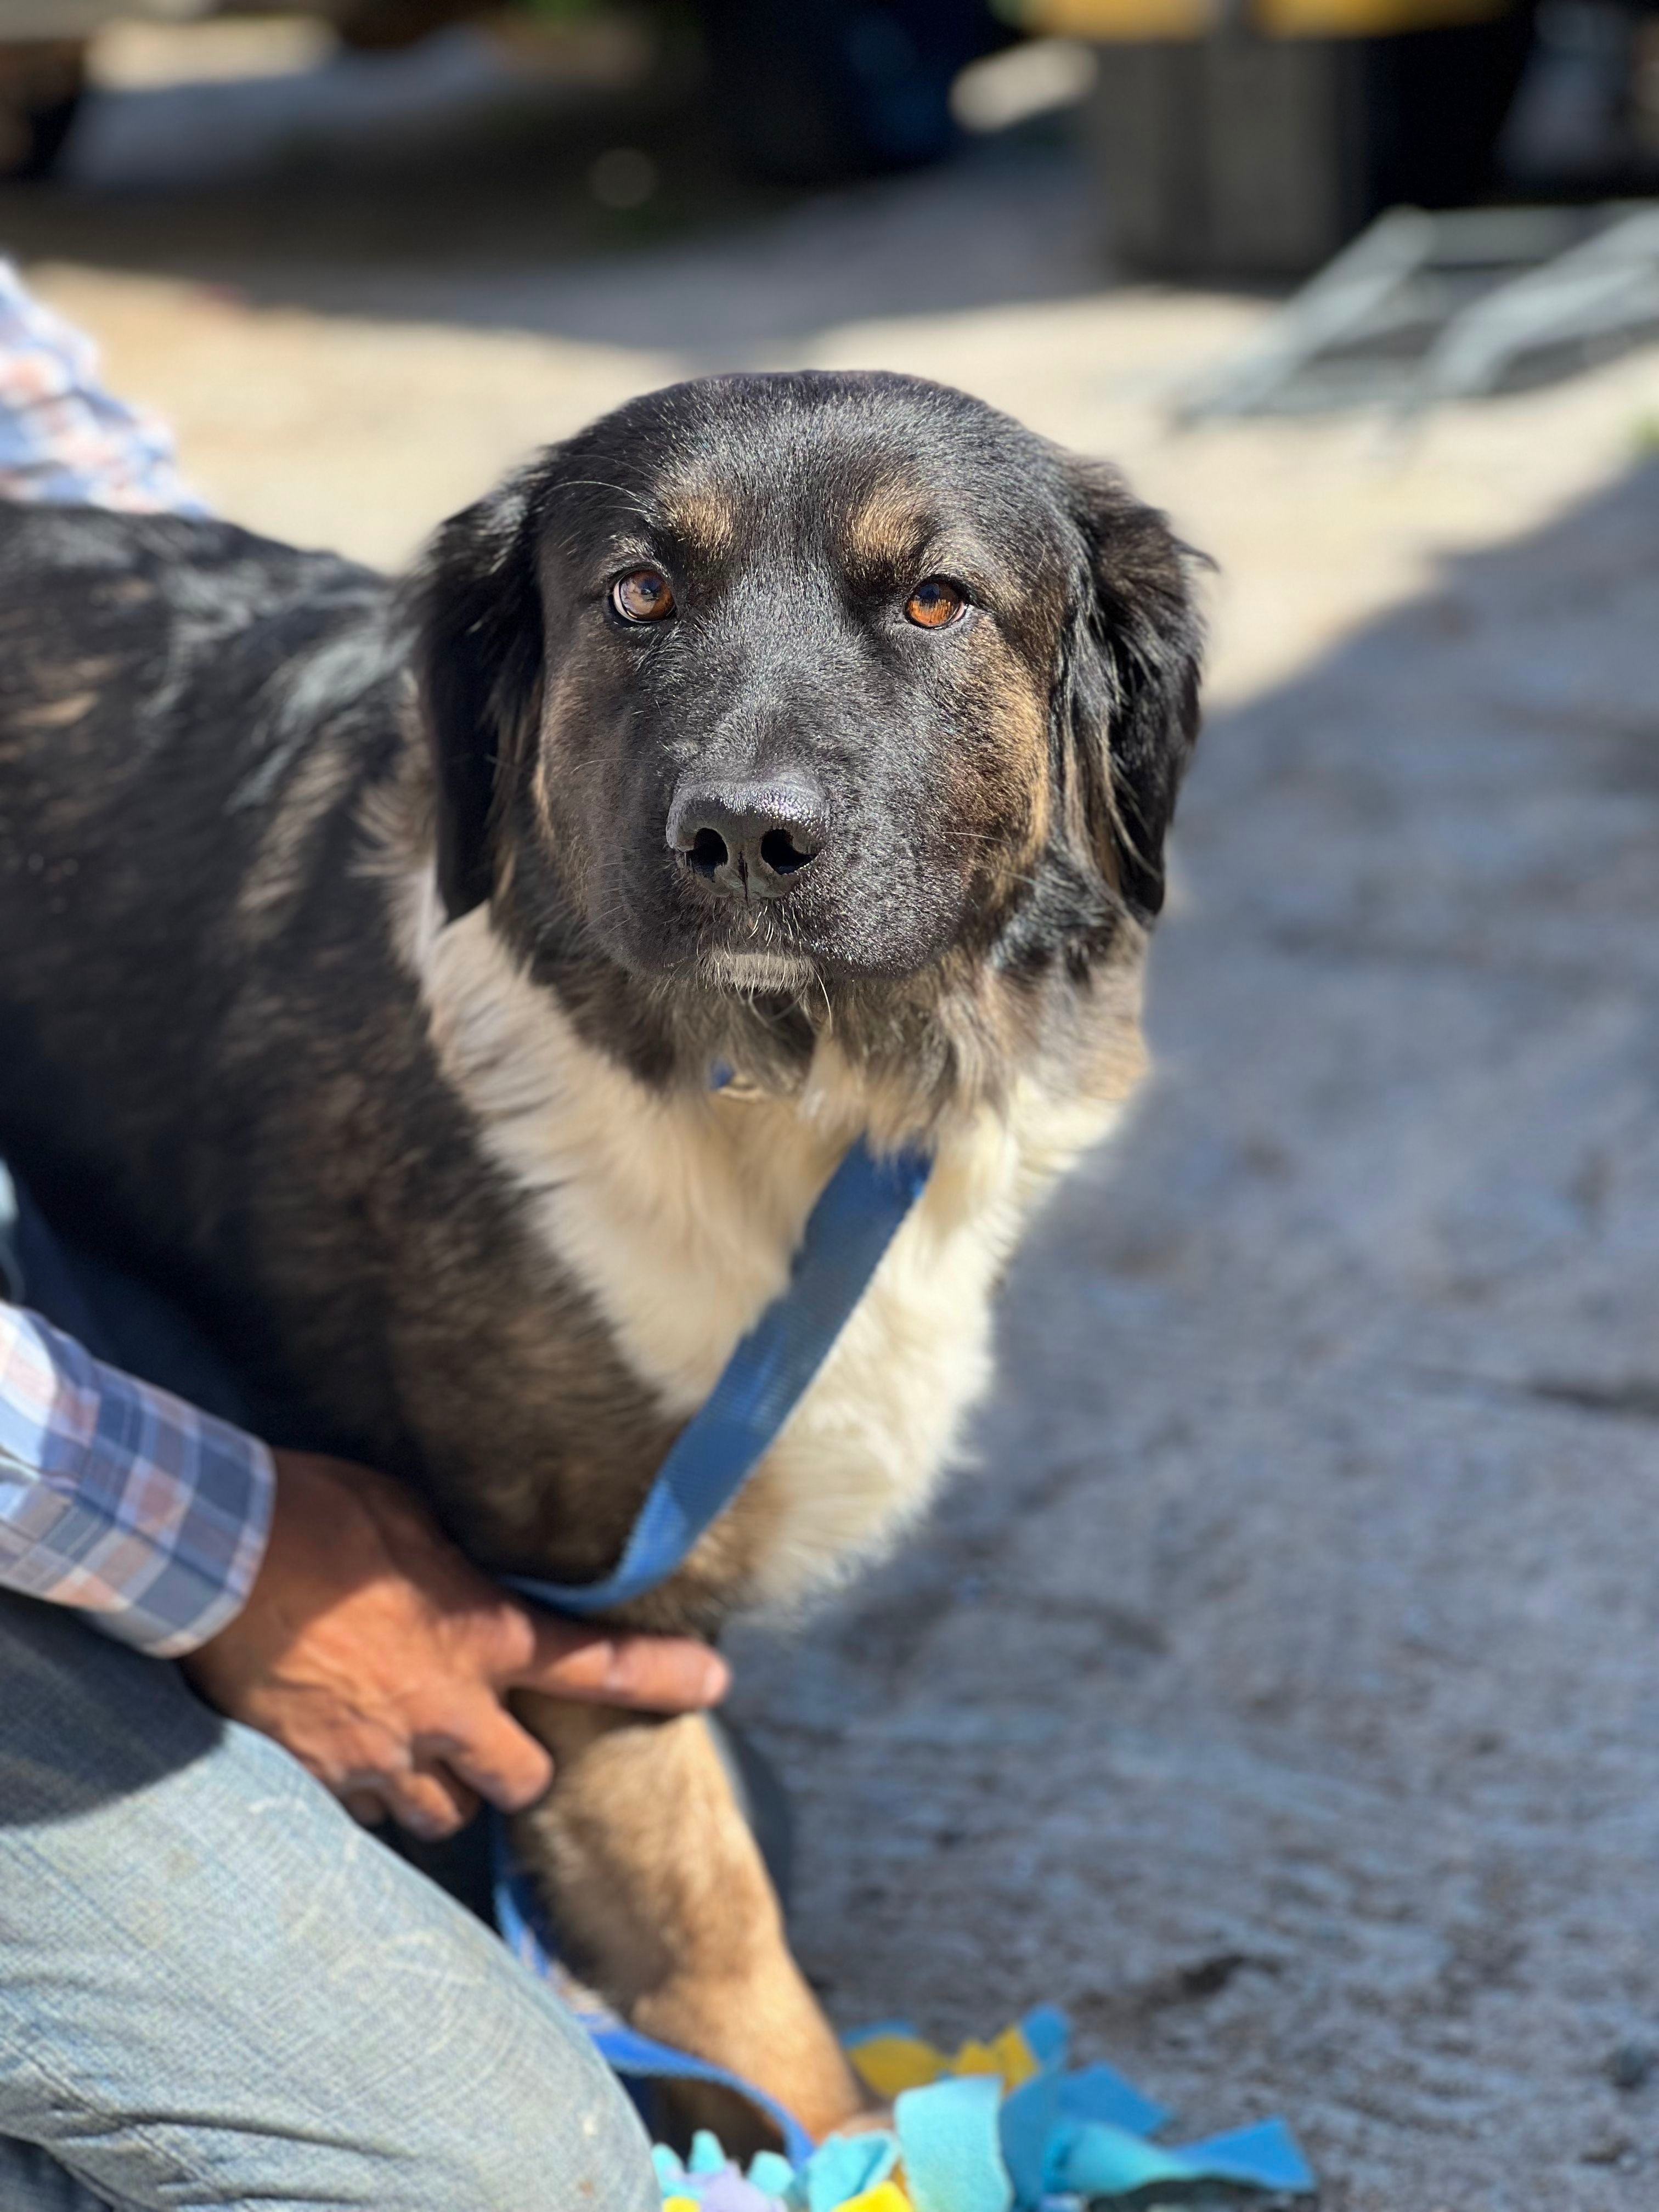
365	1807
428	1802
655	1673
490	1752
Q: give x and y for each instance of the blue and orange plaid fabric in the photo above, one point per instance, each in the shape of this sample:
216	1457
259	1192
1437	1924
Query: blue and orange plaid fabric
63	437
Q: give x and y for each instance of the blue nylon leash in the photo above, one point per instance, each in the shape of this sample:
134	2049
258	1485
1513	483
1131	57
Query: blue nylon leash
858	1214
639	2059
855	1219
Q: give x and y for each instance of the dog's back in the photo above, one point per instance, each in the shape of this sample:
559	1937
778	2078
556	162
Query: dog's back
170	691
160	680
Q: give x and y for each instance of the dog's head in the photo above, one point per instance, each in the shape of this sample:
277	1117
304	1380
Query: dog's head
767	684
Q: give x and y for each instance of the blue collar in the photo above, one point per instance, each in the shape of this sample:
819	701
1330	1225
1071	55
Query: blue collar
854	1221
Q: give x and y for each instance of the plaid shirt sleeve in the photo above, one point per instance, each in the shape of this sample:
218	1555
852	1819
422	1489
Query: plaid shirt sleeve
63	436
119	1498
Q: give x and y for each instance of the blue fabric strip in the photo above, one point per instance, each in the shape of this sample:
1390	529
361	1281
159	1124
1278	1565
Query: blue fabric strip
854	1221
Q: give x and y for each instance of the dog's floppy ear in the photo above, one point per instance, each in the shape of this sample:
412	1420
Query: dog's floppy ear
1129	694
476	608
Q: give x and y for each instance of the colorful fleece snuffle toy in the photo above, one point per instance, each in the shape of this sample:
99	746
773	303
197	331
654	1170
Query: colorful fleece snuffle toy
1002	2125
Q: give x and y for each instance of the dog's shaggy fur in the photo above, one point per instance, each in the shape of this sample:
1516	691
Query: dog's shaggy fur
354	986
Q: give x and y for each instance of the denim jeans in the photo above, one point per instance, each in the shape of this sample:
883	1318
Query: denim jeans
216	1990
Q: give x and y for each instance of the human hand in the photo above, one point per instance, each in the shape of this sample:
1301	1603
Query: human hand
376	1654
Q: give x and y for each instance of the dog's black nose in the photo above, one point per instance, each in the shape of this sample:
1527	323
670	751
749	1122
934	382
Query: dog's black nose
747	840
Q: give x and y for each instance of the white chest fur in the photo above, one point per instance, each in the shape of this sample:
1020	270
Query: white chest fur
680	1216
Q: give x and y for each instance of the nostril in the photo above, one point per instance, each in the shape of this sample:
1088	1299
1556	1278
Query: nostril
781	854
748	841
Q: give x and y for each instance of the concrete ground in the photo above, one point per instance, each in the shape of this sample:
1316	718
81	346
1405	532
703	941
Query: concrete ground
1281	1689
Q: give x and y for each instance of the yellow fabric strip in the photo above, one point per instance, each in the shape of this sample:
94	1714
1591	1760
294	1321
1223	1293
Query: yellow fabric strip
1015	2061
891	2063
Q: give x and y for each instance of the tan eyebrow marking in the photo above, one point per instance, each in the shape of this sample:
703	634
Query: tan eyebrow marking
886	532
701	519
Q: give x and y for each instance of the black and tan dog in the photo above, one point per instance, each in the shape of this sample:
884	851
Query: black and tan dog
365	954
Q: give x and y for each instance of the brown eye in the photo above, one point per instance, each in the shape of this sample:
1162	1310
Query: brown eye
935	602
645	595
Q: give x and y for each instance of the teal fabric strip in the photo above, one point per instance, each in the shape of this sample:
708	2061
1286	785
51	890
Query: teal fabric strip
1090	2159
948	2137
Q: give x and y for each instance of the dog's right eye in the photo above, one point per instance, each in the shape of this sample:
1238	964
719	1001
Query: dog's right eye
936	603
644	595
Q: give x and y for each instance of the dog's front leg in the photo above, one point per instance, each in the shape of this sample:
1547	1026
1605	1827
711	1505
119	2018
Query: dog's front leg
665	1905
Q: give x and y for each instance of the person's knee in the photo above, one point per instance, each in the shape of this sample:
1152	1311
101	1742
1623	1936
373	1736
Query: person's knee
576	2145
558	2169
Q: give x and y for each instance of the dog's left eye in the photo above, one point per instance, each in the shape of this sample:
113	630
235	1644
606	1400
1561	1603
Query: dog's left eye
935	604
644	595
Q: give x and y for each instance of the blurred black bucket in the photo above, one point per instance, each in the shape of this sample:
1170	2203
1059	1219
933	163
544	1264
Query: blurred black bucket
1237	155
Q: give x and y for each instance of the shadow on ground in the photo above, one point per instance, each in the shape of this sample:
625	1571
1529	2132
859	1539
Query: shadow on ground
1283	1695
